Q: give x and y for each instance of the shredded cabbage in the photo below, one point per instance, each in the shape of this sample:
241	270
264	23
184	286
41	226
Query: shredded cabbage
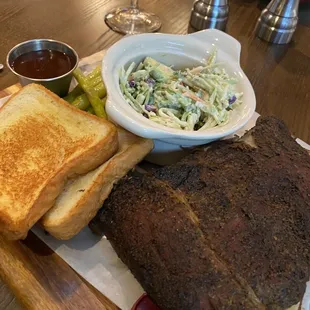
190	99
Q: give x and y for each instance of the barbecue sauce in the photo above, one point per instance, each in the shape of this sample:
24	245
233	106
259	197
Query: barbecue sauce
43	64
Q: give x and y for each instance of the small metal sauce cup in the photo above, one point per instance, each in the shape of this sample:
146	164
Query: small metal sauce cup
59	84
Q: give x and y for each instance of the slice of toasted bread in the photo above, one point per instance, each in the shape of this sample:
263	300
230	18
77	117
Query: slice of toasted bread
83	197
44	141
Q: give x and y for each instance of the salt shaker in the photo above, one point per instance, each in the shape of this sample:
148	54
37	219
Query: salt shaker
209	14
278	21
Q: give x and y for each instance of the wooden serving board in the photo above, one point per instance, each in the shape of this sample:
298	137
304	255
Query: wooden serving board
39	278
10	90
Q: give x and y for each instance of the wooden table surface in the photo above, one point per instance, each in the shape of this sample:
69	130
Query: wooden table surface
280	76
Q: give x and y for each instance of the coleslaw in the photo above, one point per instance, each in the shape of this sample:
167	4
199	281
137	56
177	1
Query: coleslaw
189	99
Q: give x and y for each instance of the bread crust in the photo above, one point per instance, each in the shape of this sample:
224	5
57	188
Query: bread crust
98	190
17	227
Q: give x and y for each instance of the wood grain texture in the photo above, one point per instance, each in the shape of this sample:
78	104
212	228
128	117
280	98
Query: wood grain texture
280	76
40	279
7	300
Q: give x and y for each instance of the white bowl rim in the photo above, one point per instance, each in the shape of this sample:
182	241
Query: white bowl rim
138	124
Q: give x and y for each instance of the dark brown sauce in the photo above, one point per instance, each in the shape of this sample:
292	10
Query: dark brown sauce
43	64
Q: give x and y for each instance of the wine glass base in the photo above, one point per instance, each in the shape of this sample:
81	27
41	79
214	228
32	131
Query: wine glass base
132	21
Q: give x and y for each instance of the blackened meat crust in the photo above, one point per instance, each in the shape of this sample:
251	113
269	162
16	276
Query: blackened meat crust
228	227
254	208
166	250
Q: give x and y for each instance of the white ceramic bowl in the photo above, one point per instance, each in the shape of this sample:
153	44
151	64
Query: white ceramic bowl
180	51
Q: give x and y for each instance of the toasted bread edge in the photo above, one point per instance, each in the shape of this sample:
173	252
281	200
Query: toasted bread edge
88	161
93	197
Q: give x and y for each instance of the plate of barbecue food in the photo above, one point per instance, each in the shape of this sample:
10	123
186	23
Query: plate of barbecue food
225	227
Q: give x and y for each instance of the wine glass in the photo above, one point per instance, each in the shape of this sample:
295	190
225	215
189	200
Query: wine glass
131	20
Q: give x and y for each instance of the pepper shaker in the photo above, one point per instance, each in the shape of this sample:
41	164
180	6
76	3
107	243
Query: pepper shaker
209	14
278	21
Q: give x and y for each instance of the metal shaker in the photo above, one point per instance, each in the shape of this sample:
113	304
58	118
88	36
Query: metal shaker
209	14
278	21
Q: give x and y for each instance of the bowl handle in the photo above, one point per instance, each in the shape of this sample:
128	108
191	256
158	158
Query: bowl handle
220	39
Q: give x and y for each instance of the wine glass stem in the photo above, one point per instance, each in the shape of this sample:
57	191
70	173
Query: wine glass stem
134	4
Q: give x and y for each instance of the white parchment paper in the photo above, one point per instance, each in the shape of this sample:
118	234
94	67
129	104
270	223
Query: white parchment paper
94	258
